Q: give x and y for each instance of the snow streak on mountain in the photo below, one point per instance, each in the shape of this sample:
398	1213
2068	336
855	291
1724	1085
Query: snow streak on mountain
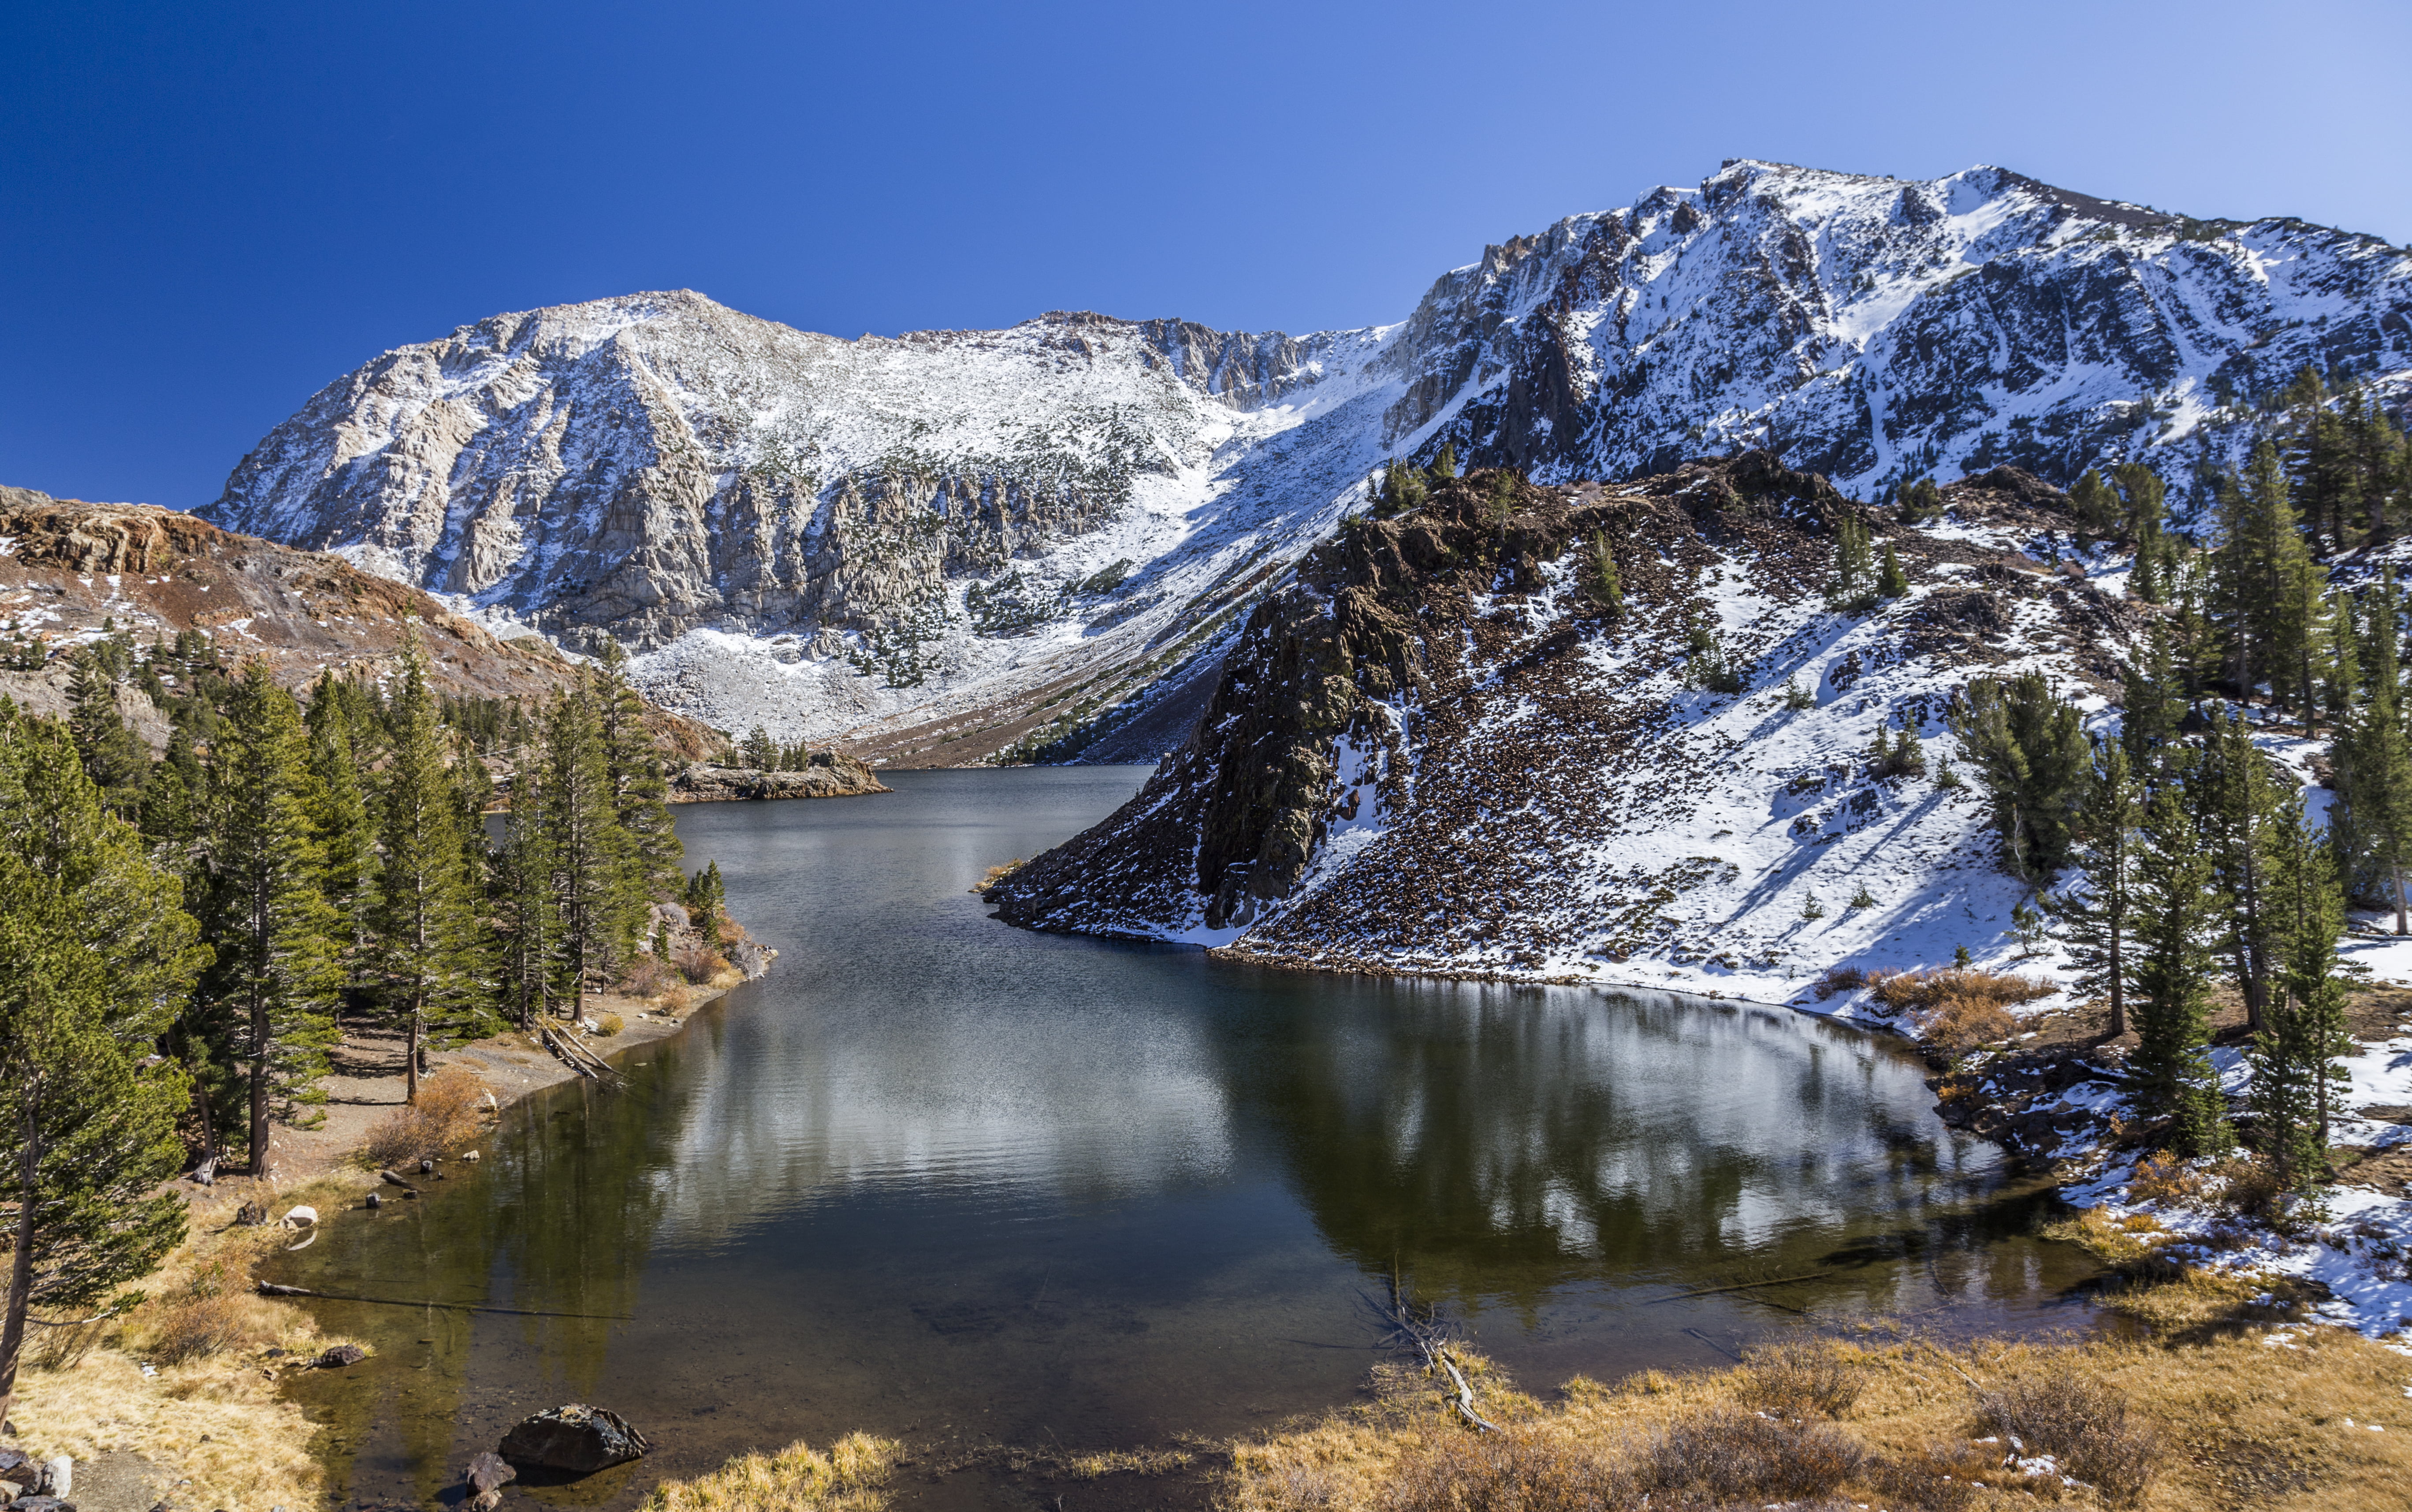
947	544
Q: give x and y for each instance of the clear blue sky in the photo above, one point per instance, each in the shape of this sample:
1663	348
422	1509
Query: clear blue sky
212	209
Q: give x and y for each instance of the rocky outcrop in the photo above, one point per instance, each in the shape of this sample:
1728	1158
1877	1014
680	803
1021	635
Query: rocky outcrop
576	1438
831	775
1439	750
917	545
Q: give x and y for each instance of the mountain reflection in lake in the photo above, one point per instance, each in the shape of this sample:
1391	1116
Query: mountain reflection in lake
942	1178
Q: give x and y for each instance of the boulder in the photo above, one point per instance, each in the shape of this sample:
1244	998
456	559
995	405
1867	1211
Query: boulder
577	1438
488	1471
58	1476
340	1356
40	1503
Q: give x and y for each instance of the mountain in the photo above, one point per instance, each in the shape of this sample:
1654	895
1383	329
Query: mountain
1432	751
71	572
954	544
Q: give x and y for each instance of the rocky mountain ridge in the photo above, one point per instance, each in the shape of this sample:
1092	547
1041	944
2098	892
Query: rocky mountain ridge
71	572
950	545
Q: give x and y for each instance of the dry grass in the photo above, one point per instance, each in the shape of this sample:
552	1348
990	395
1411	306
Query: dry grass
448	1113
212	1412
2263	1426
995	875
851	1477
1802	1378
1957	1008
608	1025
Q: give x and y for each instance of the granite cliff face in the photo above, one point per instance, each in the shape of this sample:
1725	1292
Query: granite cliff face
956	543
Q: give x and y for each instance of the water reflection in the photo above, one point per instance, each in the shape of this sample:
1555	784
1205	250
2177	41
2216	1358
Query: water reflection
941	1178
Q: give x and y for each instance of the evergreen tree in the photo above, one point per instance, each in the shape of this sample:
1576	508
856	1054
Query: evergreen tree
761	754
591	855
1891	582
2373	779
1852	589
1444	465
1600	583
2096	506
640	792
2142	510
2295	1056
339	811
113	755
525	894
2029	748
2341	661
1920	502
2171	1069
2238	802
2260	567
424	912
2151	706
706	898
2100	925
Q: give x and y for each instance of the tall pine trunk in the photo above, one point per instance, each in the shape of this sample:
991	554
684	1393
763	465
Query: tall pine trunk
2118	981
260	1081
21	1267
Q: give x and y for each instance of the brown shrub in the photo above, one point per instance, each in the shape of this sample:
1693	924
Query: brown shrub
1733	1454
1514	1471
2083	1425
1926	990
448	1113
204	1316
1939	1480
2162	1177
1962	1024
608	1025
699	964
649	976
1800	1378
2248	1186
1838	979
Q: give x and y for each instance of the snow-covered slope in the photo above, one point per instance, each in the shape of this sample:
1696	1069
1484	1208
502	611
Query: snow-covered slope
942	544
1430	753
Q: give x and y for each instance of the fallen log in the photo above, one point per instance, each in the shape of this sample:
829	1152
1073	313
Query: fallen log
270	1288
1743	1286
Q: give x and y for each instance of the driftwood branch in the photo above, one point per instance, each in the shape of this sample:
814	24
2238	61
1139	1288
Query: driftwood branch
1426	1335
1743	1286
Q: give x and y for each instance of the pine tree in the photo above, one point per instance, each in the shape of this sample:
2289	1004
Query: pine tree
2261	566
2095	504
1852	589
2239	802
2295	1056
591	855
340	813
1891	582
2151	706
2373	762
760	753
2142	510
706	897
2028	746
1444	465
113	754
424	912
2100	925
2341	662
2172	1066
1600	583
640	793
525	893
274	981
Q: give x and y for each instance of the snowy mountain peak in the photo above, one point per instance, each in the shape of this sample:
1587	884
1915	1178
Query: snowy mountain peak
992	536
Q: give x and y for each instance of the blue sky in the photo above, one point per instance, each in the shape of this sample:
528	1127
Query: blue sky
211	211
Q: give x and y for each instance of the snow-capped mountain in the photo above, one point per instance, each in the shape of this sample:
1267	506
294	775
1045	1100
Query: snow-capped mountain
944	544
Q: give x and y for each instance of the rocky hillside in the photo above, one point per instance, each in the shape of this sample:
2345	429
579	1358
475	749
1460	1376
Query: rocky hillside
1435	752
72	571
959	543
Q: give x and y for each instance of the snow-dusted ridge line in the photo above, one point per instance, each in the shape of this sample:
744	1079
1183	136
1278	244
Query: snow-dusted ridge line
789	525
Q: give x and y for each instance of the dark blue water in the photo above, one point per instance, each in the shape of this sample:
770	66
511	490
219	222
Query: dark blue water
938	1178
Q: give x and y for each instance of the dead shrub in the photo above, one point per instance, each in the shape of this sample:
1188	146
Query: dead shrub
649	977
1960	1008
203	1317
1737	1455
448	1113
2162	1177
1800	1378
1938	1480
1839	979
1509	1472
2248	1186
2083	1425
608	1025
699	964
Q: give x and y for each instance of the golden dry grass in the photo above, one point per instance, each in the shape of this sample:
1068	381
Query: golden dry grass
212	1413
851	1477
2236	1421
449	1112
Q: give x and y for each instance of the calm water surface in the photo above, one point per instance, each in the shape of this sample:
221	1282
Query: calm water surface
975	1187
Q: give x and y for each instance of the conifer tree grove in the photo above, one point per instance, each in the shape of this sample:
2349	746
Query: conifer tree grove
639	792
593	897
340	813
2373	825
525	894
2171	1067
2029	748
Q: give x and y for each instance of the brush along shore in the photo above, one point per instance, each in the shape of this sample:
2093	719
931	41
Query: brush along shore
179	1399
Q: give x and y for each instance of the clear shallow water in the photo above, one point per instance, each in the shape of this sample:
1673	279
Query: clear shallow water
973	1186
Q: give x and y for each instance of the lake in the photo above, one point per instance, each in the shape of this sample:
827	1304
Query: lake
1010	1195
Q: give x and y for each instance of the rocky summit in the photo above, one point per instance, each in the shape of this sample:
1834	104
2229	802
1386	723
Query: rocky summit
952	546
